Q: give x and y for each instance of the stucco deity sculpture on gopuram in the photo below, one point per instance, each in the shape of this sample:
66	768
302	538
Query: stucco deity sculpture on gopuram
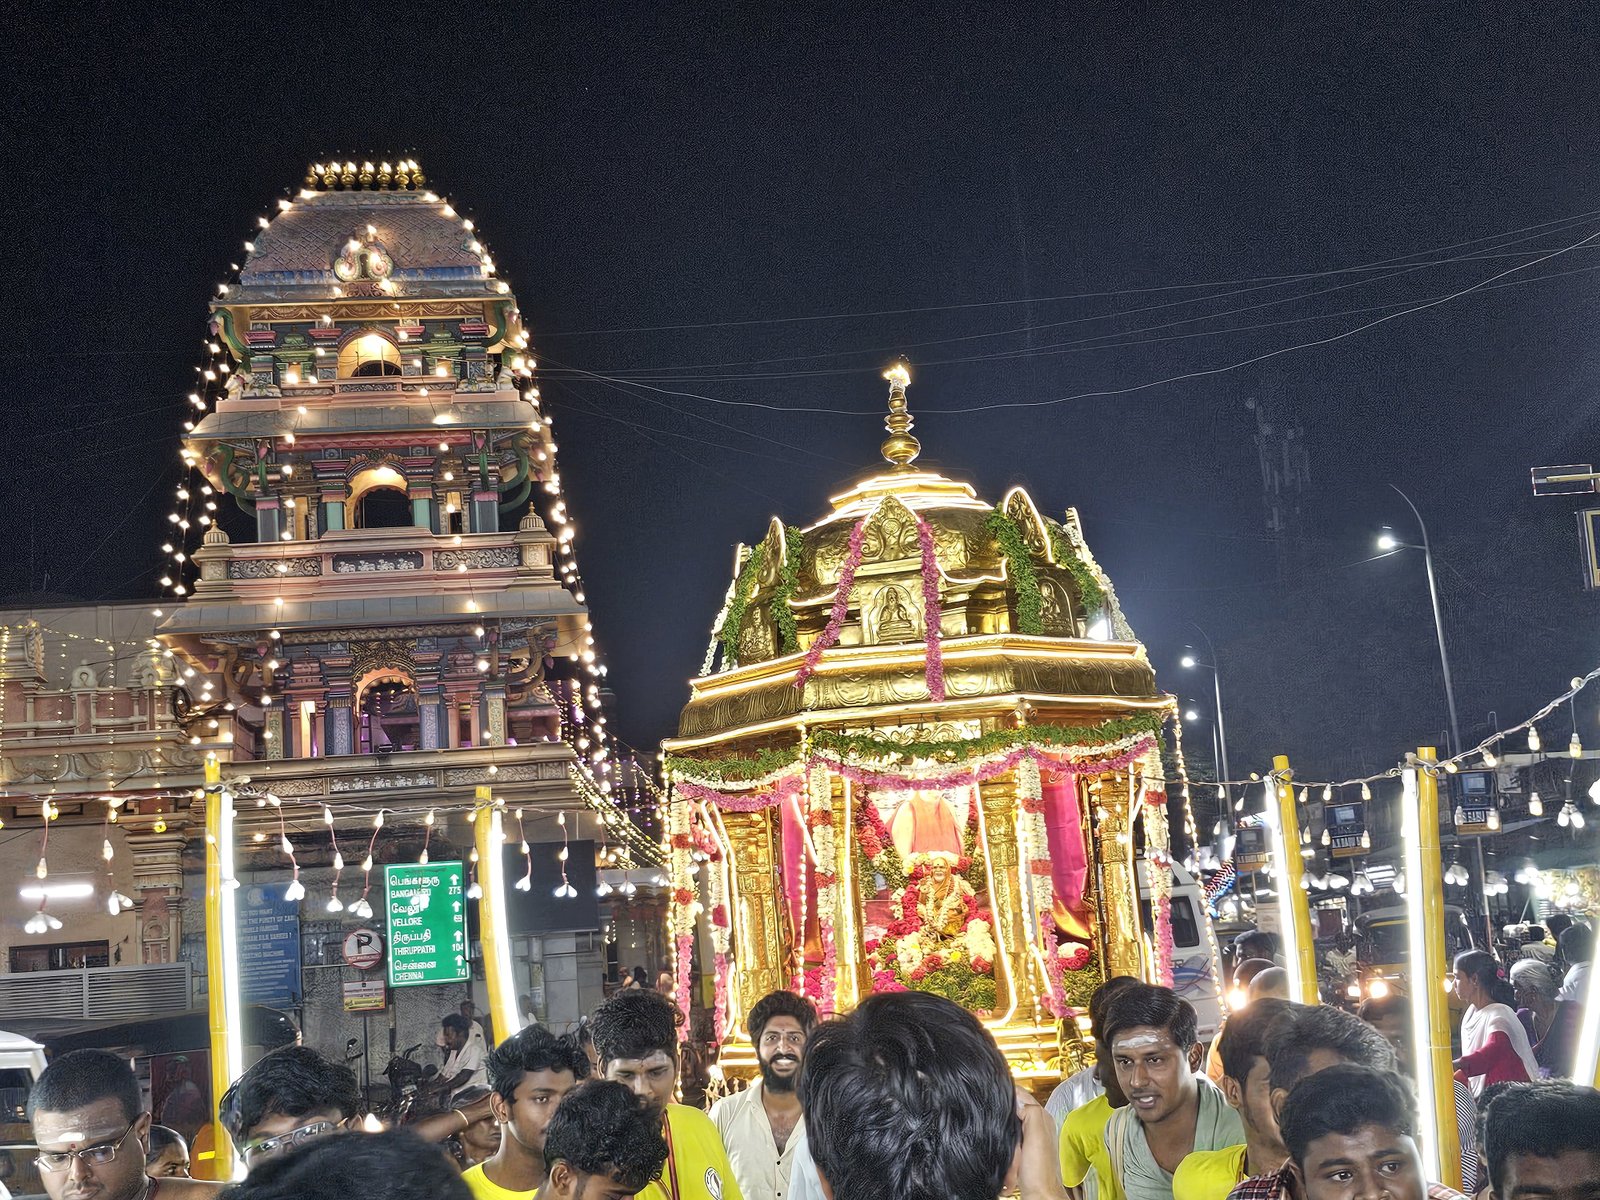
929	758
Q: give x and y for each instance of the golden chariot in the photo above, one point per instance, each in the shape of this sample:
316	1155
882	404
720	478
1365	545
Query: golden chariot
928	758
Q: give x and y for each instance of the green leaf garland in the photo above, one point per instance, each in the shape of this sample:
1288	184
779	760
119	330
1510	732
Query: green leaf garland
744	586
1019	566
859	746
788	580
1090	594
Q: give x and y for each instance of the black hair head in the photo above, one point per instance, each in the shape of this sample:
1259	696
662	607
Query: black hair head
456	1023
635	1024
1149	1004
1322	1027
1246	1035
1342	1100
1380	1008
290	1082
1480	967
1247	969
1556	922
1102	996
781	1004
395	1165
1577	943
81	1078
909	1097
159	1139
1539	1120
533	1048
601	1129
1255	943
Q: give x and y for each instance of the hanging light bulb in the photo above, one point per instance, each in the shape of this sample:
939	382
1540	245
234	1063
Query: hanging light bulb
1327	837
1535	805
1577	818
1493	821
335	904
361	909
1366	792
1399	884
1222	792
295	891
1575	747
1534	745
524	884
1460	815
1366	840
1564	817
1594	791
1489	760
474	892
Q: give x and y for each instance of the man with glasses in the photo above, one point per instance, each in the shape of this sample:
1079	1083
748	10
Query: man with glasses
92	1133
763	1125
292	1096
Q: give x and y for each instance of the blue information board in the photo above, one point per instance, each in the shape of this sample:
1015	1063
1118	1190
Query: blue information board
269	946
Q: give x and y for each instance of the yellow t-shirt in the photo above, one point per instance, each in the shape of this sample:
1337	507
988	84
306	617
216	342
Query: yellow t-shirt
697	1165
1209	1174
484	1188
1083	1147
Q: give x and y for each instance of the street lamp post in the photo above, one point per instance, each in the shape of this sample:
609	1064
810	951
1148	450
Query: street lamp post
1388	542
1191	661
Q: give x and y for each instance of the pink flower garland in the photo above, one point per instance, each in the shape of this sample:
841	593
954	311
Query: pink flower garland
1164	940
841	605
747	802
890	781
933	665
719	1016
685	950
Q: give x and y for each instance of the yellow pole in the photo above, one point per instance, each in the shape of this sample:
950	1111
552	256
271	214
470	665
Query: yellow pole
1294	907
222	960
1430	1017
497	974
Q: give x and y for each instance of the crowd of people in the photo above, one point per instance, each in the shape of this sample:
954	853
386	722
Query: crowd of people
908	1097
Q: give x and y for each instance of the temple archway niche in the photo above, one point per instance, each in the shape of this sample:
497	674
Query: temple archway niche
378	500
368	354
387	717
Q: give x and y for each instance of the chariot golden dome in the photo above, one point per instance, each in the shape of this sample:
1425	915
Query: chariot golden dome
1021	610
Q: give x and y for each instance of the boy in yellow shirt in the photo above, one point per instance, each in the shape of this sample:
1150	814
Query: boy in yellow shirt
1246	1082
1085	1162
636	1038
601	1145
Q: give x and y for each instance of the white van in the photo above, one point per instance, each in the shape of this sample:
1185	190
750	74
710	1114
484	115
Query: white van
1194	971
21	1063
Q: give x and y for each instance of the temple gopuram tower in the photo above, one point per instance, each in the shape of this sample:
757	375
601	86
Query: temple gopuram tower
928	758
401	624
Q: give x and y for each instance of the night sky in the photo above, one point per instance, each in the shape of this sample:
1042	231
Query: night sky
750	206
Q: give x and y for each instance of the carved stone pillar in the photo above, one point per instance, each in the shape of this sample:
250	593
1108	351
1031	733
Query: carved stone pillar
158	889
430	716
495	705
759	923
341	726
999	798
274	730
1119	886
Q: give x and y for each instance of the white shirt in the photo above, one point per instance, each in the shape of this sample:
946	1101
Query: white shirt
762	1173
1575	986
1074	1091
804	1182
470	1057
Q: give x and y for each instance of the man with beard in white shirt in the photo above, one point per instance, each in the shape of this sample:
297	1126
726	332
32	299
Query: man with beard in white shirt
763	1127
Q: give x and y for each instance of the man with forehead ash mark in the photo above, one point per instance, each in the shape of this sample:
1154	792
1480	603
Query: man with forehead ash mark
1172	1111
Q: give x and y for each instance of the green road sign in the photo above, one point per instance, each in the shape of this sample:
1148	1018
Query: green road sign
427	923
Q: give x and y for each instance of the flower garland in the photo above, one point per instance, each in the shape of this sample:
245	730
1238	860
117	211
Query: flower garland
932	622
1128	751
743	588
1019	566
819	818
1074	974
721	927
1038	884
788	581
681	909
1153	812
787	786
841	603
767	766
1067	737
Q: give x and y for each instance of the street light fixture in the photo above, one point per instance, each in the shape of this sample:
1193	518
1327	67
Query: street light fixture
1190	662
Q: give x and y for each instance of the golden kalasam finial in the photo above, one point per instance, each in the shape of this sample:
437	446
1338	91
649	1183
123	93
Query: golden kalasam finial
899	448
399	176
